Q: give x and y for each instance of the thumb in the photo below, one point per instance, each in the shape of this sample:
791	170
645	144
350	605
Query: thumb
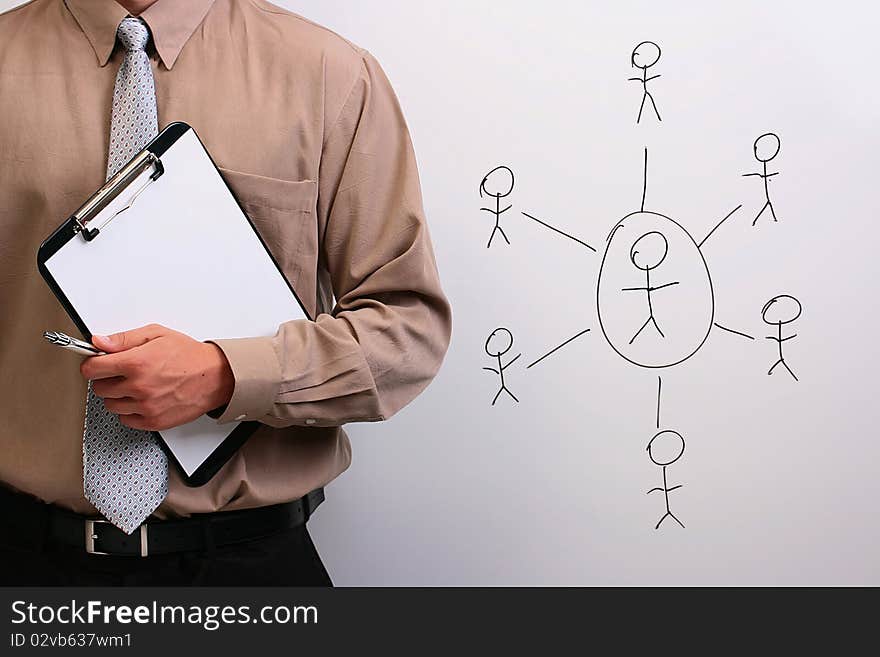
125	340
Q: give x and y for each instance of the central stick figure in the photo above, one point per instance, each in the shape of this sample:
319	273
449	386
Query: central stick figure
776	314
498	344
497	184
670	446
766	149
647	253
645	55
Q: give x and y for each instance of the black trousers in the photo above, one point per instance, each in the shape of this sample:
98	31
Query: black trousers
288	558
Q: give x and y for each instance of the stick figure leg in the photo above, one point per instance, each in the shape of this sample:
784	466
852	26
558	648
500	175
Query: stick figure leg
766	205
510	393
789	370
644	98
657	326
666	515
772	211
497	396
504	235
492	237
655	106
778	362
647	321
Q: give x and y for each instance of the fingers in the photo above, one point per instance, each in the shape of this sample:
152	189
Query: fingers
120	359
124	406
116	387
129	339
109	366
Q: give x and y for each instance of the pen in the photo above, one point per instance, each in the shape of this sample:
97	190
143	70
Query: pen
72	344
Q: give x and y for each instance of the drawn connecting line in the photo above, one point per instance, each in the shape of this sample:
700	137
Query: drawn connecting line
554	350
730	330
720	223
497	184
664	449
781	311
500	342
644	56
766	149
556	230
659	391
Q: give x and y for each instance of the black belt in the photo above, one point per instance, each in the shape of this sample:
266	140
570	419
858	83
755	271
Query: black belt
30	524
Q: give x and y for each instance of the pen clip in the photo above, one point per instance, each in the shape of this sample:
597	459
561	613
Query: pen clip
113	188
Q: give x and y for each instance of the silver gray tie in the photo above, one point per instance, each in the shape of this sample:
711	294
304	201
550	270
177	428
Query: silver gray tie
125	472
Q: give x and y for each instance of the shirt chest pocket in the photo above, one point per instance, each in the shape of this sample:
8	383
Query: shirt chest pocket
284	214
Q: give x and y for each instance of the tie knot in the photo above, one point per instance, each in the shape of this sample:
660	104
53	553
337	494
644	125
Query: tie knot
133	34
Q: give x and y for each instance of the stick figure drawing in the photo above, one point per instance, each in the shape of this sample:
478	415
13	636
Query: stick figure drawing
644	56
665	449
647	253
779	312
766	149
497	184
500	342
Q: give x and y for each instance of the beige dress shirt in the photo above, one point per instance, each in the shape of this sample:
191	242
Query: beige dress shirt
308	133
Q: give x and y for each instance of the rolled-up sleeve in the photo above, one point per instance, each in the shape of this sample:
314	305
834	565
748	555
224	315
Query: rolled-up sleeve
390	327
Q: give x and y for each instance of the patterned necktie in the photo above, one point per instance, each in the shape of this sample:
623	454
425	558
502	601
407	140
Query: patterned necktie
125	472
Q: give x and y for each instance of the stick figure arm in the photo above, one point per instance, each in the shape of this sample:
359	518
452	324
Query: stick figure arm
491	369
505	209
653	77
746	175
634	79
773	337
511	362
660	287
770	175
669	490
790	337
489	210
654	490
635	289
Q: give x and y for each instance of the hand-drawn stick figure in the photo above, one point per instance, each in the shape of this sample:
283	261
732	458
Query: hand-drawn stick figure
501	186
671	443
647	253
779	318
766	149
644	56
498	344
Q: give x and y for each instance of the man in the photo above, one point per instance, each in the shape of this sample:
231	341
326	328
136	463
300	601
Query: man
309	135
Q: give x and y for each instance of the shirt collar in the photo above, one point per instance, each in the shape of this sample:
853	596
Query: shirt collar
171	23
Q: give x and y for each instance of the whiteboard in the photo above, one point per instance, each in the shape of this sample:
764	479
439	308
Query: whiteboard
779	477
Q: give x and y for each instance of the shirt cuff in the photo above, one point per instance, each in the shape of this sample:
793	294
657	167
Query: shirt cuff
257	375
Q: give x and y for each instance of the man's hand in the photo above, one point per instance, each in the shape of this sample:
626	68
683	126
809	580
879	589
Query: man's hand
155	378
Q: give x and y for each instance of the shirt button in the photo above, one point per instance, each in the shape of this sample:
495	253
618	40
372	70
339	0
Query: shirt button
241	417
310	421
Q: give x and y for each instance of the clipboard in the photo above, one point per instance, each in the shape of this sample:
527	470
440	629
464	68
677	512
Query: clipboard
165	241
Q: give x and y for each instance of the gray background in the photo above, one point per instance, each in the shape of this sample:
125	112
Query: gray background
780	478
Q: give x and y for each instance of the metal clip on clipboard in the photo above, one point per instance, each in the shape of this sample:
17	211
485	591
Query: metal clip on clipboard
113	188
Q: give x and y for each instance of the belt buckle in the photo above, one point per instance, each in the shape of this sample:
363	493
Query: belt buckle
91	536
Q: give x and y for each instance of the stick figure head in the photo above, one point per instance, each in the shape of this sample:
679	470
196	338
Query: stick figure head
499	343
767	147
649	251
666	447
498	183
783	309
645	55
